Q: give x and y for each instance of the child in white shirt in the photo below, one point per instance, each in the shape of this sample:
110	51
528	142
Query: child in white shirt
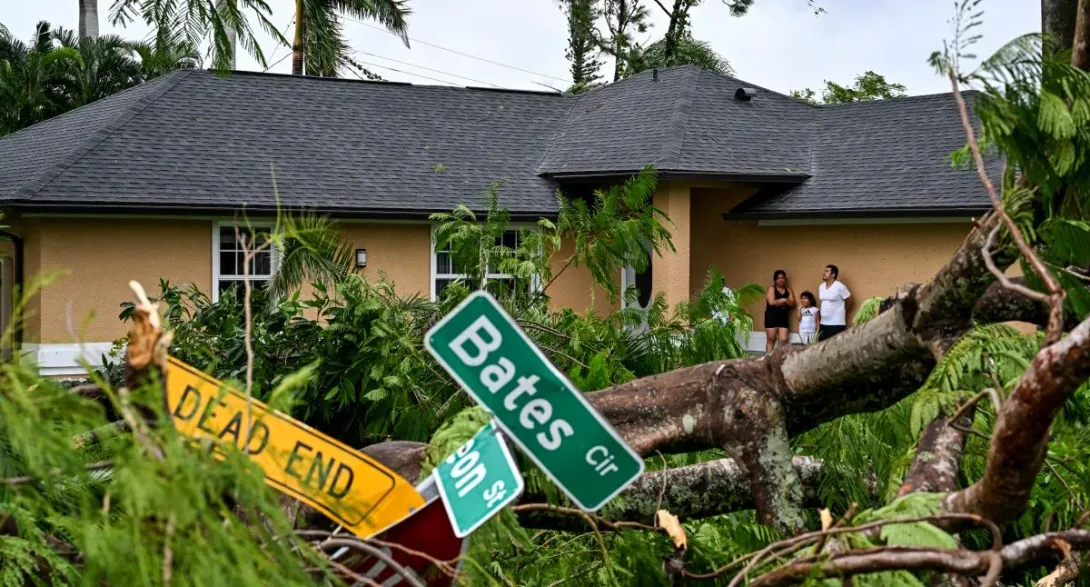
809	316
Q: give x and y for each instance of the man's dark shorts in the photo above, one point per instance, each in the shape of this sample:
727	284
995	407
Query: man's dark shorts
828	331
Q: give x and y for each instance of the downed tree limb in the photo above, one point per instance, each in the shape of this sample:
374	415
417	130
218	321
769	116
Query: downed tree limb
1042	549
938	457
1020	439
692	492
751	406
999	304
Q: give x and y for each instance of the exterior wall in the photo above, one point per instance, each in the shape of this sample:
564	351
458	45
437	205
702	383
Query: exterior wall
575	288
98	258
874	259
671	272
401	251
76	315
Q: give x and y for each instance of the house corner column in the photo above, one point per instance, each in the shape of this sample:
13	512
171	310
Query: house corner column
671	270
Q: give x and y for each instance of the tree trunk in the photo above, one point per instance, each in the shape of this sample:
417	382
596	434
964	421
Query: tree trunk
88	19
1058	23
1080	50
297	42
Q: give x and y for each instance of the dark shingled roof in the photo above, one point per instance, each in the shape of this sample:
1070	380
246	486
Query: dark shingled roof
889	157
193	141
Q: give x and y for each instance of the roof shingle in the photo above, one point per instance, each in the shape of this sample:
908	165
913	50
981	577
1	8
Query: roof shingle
194	140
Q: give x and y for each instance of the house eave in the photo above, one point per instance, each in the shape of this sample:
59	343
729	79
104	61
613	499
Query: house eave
257	211
681	175
875	213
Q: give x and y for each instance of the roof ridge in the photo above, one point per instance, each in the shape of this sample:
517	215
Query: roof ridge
932	95
382	82
672	147
96	138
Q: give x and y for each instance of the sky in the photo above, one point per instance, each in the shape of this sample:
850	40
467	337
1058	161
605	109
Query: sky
780	44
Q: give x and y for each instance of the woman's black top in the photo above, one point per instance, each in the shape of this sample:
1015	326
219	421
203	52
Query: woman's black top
777	316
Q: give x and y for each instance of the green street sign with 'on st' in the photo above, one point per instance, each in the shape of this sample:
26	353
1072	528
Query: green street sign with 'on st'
497	364
478	480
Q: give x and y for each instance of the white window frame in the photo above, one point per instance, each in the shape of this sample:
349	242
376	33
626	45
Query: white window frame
217	227
535	281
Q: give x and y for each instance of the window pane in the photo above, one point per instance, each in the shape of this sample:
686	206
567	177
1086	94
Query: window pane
443	265
227	263
227	239
235	286
440	285
261	264
510	239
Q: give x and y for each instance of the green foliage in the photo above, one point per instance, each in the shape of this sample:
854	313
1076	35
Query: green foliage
868	86
687	51
582	52
619	227
57	72
187	518
326	51
202	23
868	311
984	355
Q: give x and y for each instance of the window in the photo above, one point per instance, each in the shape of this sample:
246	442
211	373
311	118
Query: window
228	258
446	271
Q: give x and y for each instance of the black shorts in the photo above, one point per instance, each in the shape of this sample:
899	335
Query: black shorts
774	319
829	331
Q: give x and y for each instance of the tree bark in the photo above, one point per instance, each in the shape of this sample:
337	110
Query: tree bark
1058	23
1020	438
88	19
297	42
1080	48
938	457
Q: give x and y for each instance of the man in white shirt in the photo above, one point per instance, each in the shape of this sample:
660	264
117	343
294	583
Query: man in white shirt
834	312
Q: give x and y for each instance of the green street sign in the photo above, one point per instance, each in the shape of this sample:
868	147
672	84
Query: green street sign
478	480
539	409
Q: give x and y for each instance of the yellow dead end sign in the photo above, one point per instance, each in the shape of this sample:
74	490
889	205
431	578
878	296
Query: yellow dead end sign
351	488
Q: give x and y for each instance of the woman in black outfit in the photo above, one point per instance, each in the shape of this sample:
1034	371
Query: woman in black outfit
779	300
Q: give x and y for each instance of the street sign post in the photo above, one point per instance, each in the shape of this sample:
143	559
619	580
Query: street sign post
478	480
486	352
350	487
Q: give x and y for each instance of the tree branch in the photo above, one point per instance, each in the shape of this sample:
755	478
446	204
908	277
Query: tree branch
1020	438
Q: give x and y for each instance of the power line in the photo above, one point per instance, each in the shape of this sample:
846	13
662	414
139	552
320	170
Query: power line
429	69
456	52
290	50
278	62
399	71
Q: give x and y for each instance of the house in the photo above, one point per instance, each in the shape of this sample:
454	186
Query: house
144	184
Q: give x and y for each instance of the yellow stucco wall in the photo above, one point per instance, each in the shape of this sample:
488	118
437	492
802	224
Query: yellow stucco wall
671	271
575	288
874	259
401	251
98	258
100	255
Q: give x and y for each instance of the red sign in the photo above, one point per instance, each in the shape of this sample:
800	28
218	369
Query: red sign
427	530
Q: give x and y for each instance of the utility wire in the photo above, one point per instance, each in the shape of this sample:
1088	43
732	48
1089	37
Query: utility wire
398	71
290	50
429	69
378	28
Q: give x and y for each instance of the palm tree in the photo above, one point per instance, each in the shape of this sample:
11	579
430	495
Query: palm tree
102	66
222	22
32	86
58	71
88	19
688	51
318	45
